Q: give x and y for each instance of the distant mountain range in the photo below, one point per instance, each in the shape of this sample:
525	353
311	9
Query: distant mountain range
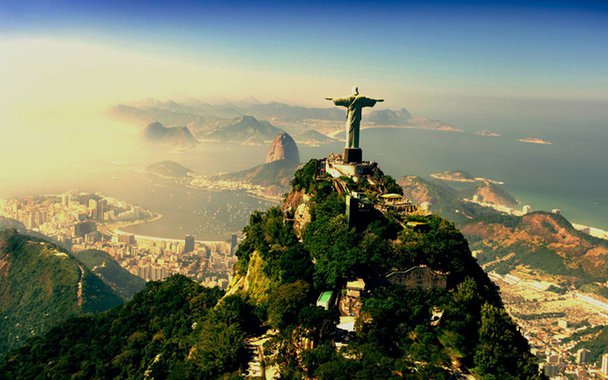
389	117
242	129
199	113
244	121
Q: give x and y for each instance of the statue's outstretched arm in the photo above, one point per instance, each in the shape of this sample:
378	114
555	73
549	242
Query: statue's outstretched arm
379	100
329	98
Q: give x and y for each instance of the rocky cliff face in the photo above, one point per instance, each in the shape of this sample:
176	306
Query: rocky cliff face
296	207
283	147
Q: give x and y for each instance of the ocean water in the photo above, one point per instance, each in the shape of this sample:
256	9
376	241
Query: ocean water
571	174
208	215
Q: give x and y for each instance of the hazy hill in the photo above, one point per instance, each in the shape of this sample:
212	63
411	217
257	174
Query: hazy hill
442	197
42	285
282	110
11	223
244	128
176	136
313	137
389	117
174	114
275	176
111	273
169	169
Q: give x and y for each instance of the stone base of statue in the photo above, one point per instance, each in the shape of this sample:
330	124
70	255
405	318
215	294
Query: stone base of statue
352	155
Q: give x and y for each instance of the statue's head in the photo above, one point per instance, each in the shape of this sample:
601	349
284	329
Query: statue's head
355	90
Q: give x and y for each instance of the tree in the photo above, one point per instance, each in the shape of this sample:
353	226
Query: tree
286	302
334	246
319	324
502	351
219	348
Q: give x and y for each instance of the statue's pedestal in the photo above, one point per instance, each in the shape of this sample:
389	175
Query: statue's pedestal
352	155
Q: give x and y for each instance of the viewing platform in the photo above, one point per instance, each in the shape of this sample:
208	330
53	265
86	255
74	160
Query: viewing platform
336	167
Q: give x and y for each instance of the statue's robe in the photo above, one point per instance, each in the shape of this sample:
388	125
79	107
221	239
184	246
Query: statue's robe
354	104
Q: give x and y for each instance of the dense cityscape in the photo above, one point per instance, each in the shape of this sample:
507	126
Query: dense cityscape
555	321
83	221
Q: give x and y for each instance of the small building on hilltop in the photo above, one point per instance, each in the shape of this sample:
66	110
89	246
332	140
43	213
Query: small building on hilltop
418	226
358	208
336	167
350	301
419	276
326	300
396	203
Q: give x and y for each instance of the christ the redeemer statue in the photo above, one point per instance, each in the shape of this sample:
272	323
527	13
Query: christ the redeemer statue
354	104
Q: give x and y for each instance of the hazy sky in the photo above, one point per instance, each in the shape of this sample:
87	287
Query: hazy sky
410	52
63	63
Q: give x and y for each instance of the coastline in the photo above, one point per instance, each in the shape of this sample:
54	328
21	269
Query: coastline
443	177
592	231
249	192
157	238
589	230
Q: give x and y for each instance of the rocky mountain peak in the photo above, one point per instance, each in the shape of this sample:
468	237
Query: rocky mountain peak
283	147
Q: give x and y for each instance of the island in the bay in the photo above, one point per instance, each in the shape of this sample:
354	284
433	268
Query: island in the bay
463	176
535	140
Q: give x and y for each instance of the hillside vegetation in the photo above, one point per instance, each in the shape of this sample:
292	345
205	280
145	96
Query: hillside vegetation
111	273
178	329
42	285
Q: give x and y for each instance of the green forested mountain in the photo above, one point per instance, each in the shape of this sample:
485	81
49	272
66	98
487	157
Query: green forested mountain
42	285
111	273
170	329
178	329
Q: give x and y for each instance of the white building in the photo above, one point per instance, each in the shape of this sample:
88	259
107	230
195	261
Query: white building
605	364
